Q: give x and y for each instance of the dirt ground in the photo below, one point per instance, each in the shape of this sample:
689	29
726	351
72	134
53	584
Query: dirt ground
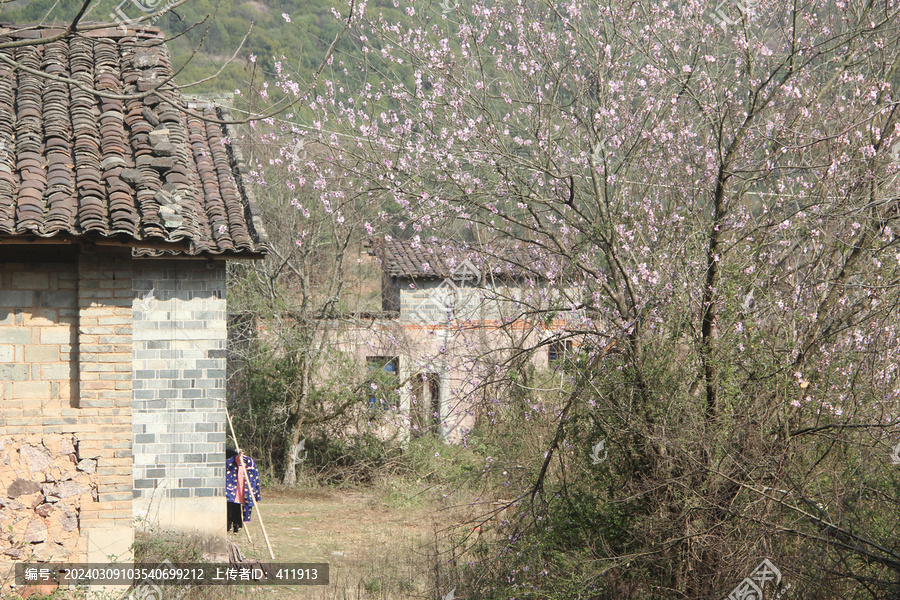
377	542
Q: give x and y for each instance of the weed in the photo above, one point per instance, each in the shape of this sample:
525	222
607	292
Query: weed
372	586
156	547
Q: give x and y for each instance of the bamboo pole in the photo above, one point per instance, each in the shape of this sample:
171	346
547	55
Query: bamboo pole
244	525
247	481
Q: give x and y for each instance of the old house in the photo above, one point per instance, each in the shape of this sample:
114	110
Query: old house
120	202
451	314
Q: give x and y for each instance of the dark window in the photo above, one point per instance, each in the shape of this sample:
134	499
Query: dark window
558	351
383	376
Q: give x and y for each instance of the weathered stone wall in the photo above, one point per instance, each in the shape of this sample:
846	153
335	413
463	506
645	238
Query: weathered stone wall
65	393
179	395
43	502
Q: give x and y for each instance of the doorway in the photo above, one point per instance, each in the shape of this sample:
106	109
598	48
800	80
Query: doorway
425	404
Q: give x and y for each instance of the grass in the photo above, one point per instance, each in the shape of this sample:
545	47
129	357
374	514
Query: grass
379	540
367	536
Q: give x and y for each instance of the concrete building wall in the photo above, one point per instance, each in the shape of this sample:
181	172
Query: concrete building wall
179	395
453	333
454	356
65	393
431	301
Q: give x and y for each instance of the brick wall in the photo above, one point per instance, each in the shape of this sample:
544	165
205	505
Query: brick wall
179	394
102	355
104	396
427	301
65	392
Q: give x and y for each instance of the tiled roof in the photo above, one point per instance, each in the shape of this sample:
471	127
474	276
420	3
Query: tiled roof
413	260
139	170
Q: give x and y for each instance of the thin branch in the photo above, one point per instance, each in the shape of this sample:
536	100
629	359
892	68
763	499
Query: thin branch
225	64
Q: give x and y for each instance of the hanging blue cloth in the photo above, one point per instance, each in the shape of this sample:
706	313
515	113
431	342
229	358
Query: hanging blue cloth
231	479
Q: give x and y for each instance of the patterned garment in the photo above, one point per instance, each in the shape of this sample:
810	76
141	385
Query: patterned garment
231	479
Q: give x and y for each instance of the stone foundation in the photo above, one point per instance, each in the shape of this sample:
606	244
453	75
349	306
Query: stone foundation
44	485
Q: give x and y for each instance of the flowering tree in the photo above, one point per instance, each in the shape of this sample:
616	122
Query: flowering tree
290	375
715	192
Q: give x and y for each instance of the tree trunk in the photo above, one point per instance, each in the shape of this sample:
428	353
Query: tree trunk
296	421
291	456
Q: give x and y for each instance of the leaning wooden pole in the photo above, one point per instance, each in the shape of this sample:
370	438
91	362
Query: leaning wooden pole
247	481
244	526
